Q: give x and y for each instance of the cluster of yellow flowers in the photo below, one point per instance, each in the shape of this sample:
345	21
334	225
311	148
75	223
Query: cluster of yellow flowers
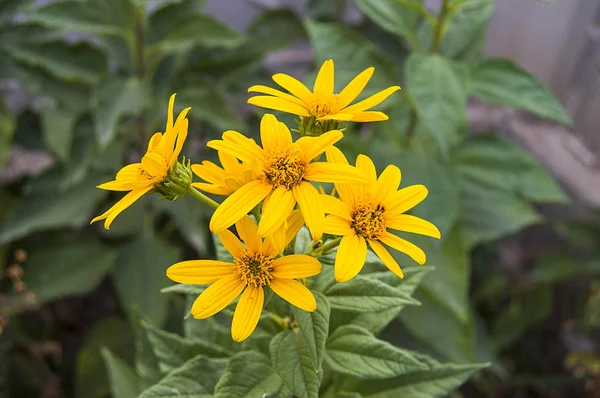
268	181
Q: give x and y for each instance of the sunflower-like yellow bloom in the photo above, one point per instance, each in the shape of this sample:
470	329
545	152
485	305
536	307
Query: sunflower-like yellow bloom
365	213
160	157
322	103
254	268
222	180
282	170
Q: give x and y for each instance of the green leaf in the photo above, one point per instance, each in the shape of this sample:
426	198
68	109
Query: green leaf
168	16
140	275
352	53
195	30
522	313
377	321
558	266
66	268
502	82
296	355
438	91
91	379
7	130
73	63
59	130
465	36
363	294
276	29
354	351
124	383
393	17
105	17
112	100
438	381
248	375
146	362
49	209
196	378
191	220
194	290
173	350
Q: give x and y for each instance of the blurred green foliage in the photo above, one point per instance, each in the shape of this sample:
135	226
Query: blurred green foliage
93	80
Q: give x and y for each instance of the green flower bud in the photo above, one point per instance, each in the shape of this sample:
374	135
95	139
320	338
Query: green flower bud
178	181
310	126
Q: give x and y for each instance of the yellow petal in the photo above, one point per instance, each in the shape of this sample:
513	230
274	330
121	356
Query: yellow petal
246	228
276	211
294	223
355	87
217	296
247	313
129	172
405	199
386	257
324	81
244	153
181	136
372	101
364	163
314	146
334	155
278	104
335	172
274	134
276	93
113	186
307	197
231	243
248	144
387	183
337	226
343	117
211	188
121	205
404	246
351	256
278	240
416	225
170	112
210	172
333	205
229	163
199	271
292	85
154	164
371	116
154	141
238	205
295	266
294	293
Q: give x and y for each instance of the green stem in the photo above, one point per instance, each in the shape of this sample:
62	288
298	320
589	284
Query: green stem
439	27
278	320
327	247
410	129
202	198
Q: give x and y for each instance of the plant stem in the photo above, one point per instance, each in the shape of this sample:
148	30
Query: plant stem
327	247
278	320
439	27
410	129
202	198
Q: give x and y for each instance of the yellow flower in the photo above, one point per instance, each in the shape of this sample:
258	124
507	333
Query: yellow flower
222	180
322	103
365	213
282	170
255	266
139	178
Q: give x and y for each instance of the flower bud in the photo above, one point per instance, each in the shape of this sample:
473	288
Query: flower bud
178	181
310	126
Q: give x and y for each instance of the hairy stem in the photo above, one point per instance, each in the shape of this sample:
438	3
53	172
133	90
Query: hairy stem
202	198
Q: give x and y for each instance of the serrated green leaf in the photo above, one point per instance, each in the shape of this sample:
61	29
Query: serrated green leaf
393	17
296	355
362	294
439	94
124	383
59	130
351	53
502	82
354	351
112	100
80	63
173	350
196	378
438	381
49	209
140	274
247	375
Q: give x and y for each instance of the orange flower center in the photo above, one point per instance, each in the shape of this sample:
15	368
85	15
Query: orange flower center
368	220
254	269
285	168
321	104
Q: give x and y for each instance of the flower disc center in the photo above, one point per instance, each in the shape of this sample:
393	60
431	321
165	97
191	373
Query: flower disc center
285	169
254	269
368	220
323	104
